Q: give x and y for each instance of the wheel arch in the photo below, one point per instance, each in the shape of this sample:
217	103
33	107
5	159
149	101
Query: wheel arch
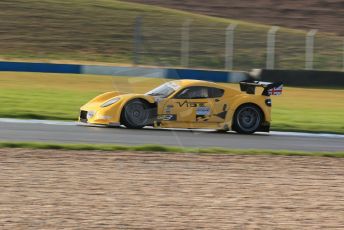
250	103
151	103
236	108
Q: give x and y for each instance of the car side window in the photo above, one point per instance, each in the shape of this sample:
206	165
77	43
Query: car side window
194	92
215	92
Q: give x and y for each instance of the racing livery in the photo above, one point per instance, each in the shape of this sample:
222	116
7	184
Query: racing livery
187	104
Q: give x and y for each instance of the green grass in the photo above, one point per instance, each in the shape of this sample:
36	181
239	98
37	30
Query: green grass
311	110
160	148
59	96
102	31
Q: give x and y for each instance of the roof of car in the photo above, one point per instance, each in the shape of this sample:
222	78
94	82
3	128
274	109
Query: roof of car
191	82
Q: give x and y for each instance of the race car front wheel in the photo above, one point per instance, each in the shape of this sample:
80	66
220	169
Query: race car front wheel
135	114
247	119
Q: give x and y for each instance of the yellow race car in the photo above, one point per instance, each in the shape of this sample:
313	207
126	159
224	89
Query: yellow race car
191	104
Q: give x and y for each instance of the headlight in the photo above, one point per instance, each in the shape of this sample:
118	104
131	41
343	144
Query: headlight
90	114
110	102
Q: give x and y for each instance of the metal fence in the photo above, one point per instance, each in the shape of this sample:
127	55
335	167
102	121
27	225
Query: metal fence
169	40
236	47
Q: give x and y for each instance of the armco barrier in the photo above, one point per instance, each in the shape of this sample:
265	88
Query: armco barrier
207	75
301	77
39	67
123	71
126	71
288	77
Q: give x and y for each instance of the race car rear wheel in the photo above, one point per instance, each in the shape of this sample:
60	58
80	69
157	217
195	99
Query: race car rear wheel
247	119
135	114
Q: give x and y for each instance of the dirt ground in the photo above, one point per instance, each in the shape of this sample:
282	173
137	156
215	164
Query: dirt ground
48	189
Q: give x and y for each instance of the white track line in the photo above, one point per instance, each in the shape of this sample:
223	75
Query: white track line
71	123
32	121
297	134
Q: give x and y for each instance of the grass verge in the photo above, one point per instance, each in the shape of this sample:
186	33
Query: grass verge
161	148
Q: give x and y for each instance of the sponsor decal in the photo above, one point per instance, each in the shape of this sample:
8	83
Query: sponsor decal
191	104
167	117
203	111
276	90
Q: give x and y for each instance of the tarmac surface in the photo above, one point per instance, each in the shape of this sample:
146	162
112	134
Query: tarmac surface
70	132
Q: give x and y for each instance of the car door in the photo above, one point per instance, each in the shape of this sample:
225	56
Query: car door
190	104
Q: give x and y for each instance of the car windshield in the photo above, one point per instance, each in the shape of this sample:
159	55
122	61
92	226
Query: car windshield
164	90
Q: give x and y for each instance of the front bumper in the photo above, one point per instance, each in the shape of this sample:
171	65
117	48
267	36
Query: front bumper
94	118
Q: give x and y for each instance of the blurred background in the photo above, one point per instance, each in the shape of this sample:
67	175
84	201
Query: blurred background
239	37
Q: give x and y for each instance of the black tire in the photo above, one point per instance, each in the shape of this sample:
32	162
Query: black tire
247	119
136	114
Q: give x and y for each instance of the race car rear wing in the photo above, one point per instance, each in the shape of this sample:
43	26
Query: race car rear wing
270	88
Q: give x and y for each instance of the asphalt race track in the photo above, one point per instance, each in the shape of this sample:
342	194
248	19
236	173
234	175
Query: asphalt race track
70	132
